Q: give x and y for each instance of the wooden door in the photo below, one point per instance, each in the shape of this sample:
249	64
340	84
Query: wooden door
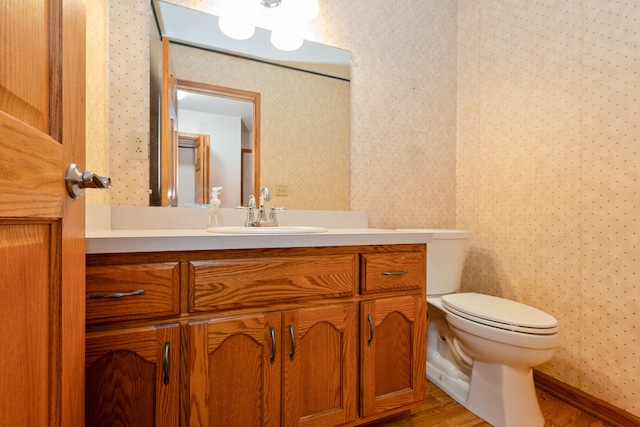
234	372
320	366
133	377
200	145
42	130
393	353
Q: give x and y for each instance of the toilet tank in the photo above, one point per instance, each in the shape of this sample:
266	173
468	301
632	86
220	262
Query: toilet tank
445	258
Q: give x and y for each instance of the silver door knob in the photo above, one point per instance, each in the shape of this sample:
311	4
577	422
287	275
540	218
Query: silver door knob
77	181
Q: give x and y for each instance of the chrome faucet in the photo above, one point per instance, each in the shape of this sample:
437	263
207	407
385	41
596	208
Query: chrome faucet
261	220
265	196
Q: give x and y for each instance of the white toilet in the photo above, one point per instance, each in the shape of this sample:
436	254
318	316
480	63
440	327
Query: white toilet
481	349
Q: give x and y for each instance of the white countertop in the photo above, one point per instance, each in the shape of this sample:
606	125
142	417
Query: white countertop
123	241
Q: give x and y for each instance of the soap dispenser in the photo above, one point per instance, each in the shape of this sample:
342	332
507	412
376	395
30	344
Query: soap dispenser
215	212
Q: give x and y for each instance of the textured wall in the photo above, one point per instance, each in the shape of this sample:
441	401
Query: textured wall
548	154
97	95
128	98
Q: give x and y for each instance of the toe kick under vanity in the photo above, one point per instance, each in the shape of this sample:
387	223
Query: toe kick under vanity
185	328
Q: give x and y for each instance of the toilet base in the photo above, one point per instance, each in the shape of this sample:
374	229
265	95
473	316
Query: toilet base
504	396
500	395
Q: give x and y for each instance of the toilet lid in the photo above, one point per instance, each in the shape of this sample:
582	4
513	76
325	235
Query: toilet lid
500	313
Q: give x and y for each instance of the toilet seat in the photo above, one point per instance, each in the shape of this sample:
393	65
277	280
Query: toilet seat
500	313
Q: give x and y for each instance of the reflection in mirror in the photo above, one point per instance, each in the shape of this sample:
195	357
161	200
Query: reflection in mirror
226	118
303	143
193	168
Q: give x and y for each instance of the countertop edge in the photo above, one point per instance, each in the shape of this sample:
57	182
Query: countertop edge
131	241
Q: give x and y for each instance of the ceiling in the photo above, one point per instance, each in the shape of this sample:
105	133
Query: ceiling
218	105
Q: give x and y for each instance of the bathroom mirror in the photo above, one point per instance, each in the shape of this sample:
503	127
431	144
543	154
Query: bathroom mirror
304	142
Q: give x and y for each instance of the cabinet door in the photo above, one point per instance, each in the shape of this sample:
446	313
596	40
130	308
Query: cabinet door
320	366
234	372
393	353
133	377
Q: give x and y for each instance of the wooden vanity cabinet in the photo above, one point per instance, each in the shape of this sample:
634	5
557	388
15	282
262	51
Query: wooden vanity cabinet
268	337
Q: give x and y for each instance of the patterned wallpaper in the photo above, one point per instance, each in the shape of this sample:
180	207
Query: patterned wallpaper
97	159
548	152
128	99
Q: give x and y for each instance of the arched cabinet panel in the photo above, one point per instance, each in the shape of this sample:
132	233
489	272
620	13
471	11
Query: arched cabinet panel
392	352
132	377
234	372
320	366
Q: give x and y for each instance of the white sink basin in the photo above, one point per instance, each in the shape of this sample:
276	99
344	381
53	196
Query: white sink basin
267	230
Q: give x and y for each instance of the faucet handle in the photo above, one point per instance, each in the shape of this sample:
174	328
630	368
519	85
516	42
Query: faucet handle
250	220
251	205
272	214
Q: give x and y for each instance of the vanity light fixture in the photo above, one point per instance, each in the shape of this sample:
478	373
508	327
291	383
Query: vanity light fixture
235	28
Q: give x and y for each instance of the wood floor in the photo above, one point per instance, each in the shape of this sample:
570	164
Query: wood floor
440	410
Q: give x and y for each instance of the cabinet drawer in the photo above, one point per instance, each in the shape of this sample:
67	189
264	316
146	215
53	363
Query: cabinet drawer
395	271
233	283
119	292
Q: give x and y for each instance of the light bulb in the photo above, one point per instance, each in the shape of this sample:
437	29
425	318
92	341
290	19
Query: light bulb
236	29
286	42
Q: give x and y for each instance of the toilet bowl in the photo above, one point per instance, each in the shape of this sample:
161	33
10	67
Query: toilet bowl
481	349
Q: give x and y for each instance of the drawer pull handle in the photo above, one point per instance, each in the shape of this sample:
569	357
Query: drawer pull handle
372	329
118	294
165	364
395	273
293	342
273	345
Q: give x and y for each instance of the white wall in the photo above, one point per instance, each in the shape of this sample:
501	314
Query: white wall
225	142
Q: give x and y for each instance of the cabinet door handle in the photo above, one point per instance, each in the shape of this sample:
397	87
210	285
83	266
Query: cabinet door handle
273	345
395	273
293	342
165	363
118	294
372	329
